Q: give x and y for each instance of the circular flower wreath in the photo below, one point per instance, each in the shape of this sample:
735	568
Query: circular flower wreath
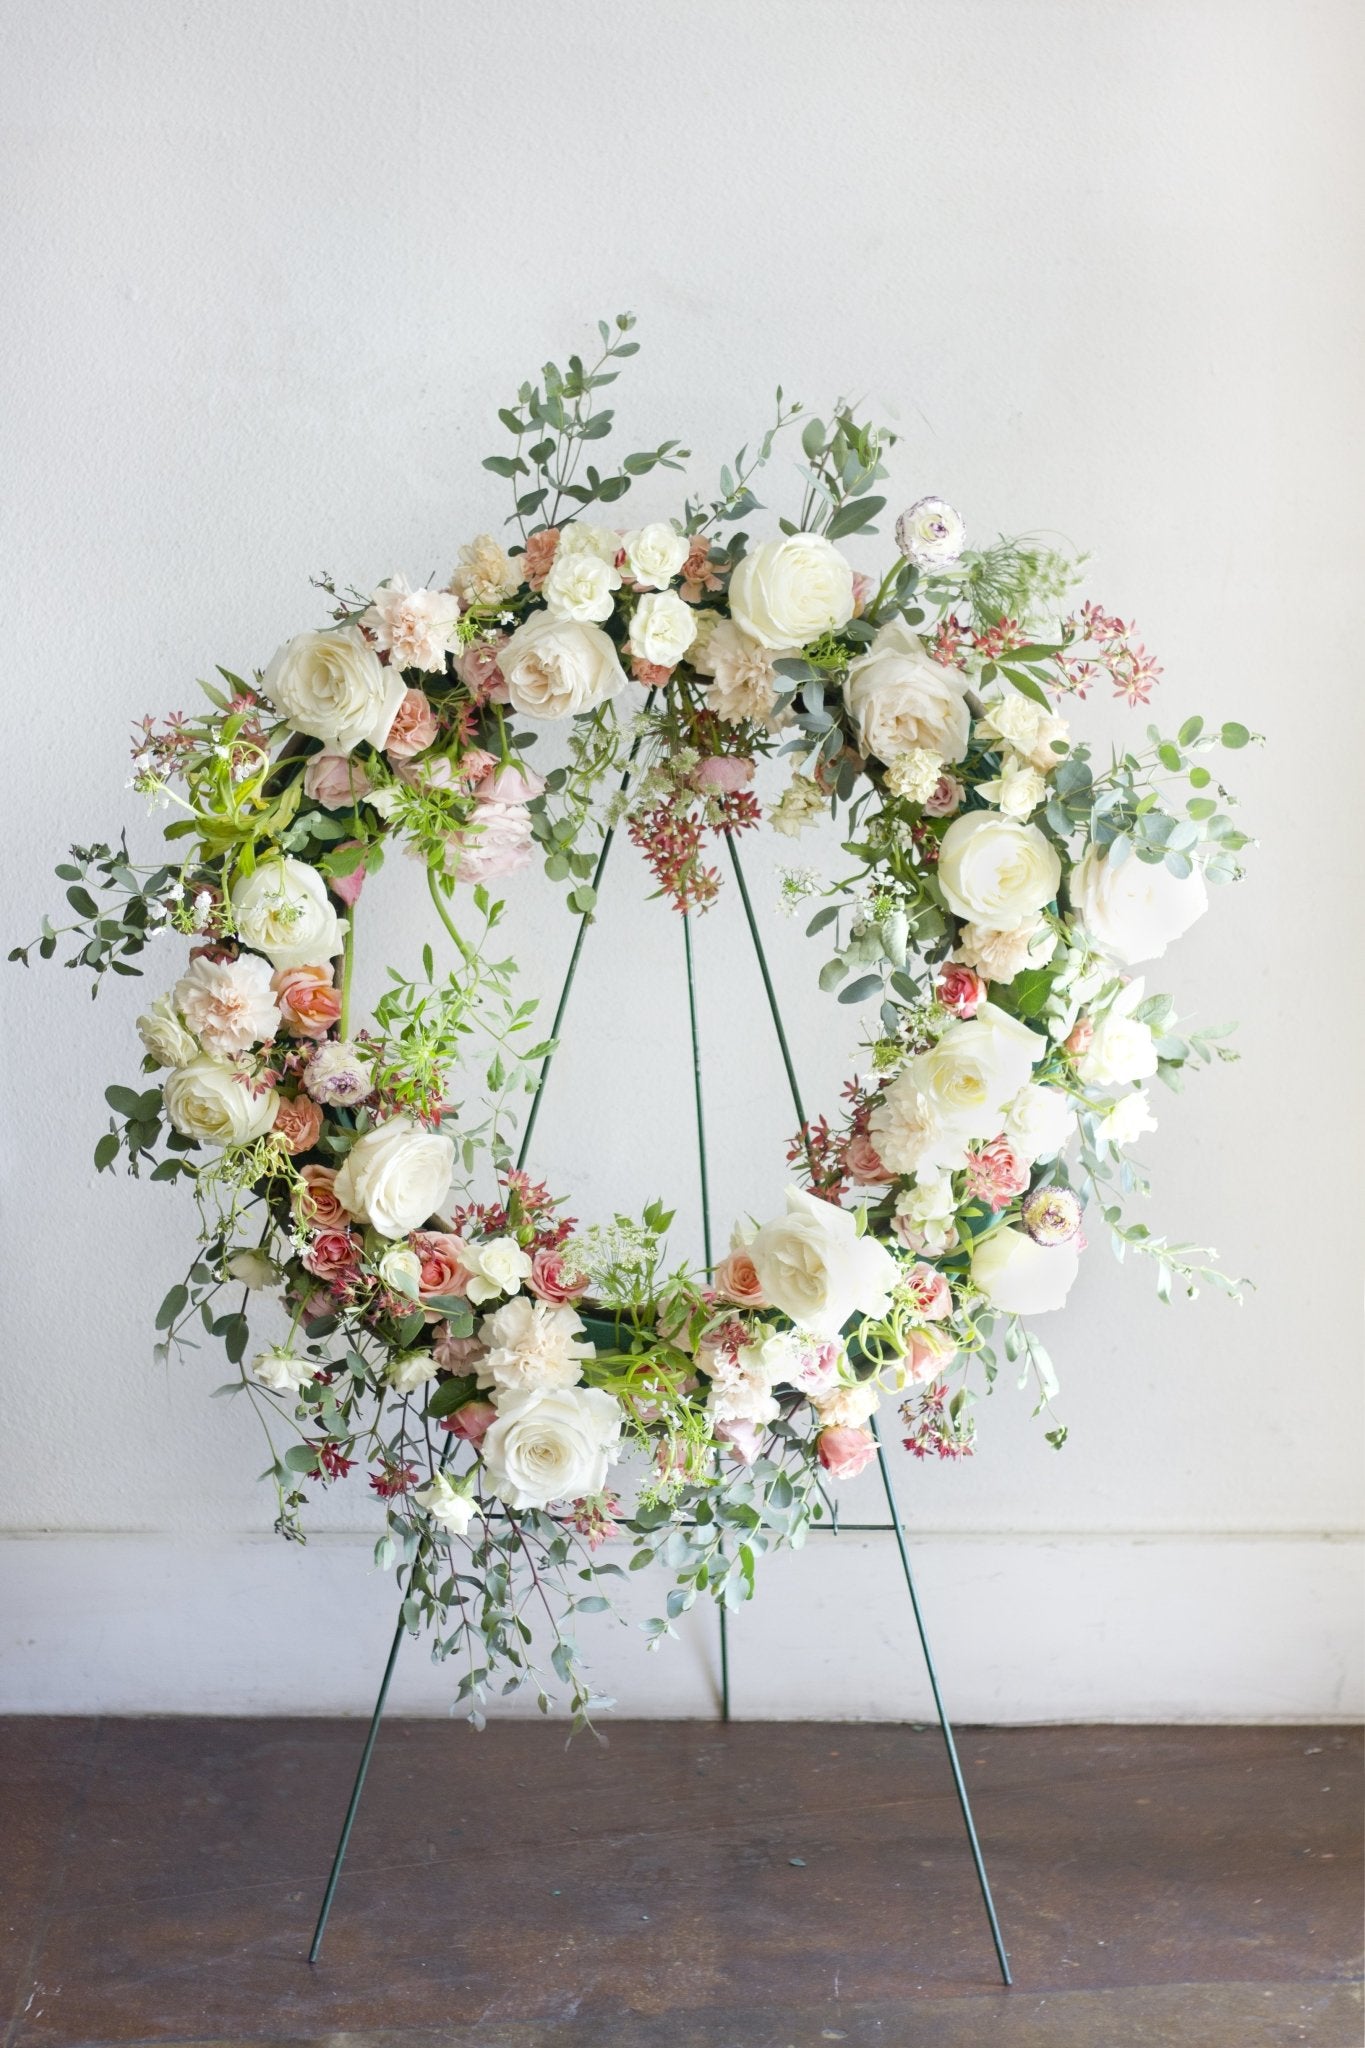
488	1361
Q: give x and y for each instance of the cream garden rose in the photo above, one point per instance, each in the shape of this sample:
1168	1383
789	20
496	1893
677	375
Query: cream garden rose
813	1265
217	1103
334	687
789	592
555	668
395	1176
283	910
973	1072
552	1445
996	872
901	700
1020	1277
1134	911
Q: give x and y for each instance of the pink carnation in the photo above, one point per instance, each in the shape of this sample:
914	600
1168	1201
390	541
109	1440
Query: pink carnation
414	727
539	557
996	1173
845	1452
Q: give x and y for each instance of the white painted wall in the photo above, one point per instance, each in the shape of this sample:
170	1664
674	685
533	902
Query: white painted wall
268	273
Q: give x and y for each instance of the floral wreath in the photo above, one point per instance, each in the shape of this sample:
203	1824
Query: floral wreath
489	1361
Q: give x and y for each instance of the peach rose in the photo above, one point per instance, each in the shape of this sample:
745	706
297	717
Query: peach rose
863	1162
441	1254
310	1002
336	781
414	727
298	1120
315	1203
552	1280
844	1452
333	1256
737	1280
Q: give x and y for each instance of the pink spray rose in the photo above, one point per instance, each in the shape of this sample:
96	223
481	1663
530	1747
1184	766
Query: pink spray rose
310	1002
336	781
960	989
315	1203
863	1162
945	798
927	1353
737	1280
441	1254
554	1281
473	1421
333	1256
933	1295
414	727
498	839
743	1439
844	1452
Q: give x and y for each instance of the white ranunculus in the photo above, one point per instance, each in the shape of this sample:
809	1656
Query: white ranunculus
789	592
900	699
555	1445
281	1371
931	534
655	554
497	1266
1129	1119
1039	1122
580	587
406	1371
555	668
663	628
164	1035
446	1503
1020	1277
338	1074
334	687
396	1176
813	1265
283	910
532	1344
1122	1048
968	1079
1133	911
214	1101
996	872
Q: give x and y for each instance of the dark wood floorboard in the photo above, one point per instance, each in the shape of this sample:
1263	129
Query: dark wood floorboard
766	1885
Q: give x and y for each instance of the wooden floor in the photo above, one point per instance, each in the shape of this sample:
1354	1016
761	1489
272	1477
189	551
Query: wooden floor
689	1886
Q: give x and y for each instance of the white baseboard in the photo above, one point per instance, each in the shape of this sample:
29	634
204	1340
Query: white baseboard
1024	1628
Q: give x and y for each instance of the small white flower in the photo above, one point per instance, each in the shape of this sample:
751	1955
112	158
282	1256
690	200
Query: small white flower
1127	1120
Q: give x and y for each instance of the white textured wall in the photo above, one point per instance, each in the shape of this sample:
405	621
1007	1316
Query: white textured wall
268	272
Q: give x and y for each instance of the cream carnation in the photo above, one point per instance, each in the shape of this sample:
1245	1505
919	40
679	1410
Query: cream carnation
1133	911
395	1176
555	668
813	1265
334	687
416	628
900	699
229	1004
999	956
906	1132
662	629
745	681
555	1444
532	1345
213	1101
654	556
485	573
283	910
996	872
789	592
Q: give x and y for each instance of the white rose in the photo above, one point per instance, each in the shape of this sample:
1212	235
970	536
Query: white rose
931	534
655	554
1020	1277
995	871
498	1266
1122	1048
1039	1122
1129	1119
395	1176
229	1003
334	687
532	1344
1017	790
165	1037
999	956
446	1503
663	628
1133	911
900	699
813	1265
406	1371
789	592
554	1445
580	587
555	668
1029	728
213	1101
974	1071
283	910
281	1371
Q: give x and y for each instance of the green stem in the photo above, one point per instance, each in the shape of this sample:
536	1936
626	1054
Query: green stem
347	964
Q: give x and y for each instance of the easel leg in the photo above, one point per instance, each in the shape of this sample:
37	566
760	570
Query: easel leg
960	1786
366	1753
724	1664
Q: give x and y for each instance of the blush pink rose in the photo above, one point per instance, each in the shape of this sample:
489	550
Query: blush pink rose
554	1281
310	1002
509	786
933	1295
1078	1042
477	668
298	1120
737	1280
845	1452
960	989
333	1256
414	727
441	1254
945	798
348	887
336	781
743	1439
473	1421
927	1353
863	1162
728	773
315	1203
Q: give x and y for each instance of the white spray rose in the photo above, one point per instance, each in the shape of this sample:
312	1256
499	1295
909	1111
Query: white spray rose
334	687
580	587
931	534
164	1035
1029	729
1122	1048
400	1269
925	1217
655	554
254	1268
283	910
555	1445
406	1371
1129	1119
580	539
497	1266
1039	1122
555	668
1133	911
813	1265
212	1100
995	871
663	628
281	1371
901	699
396	1176
1017	790
532	1344
446	1503
789	592
1020	1277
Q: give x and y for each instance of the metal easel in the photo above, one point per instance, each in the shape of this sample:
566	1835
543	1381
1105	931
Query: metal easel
834	1527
